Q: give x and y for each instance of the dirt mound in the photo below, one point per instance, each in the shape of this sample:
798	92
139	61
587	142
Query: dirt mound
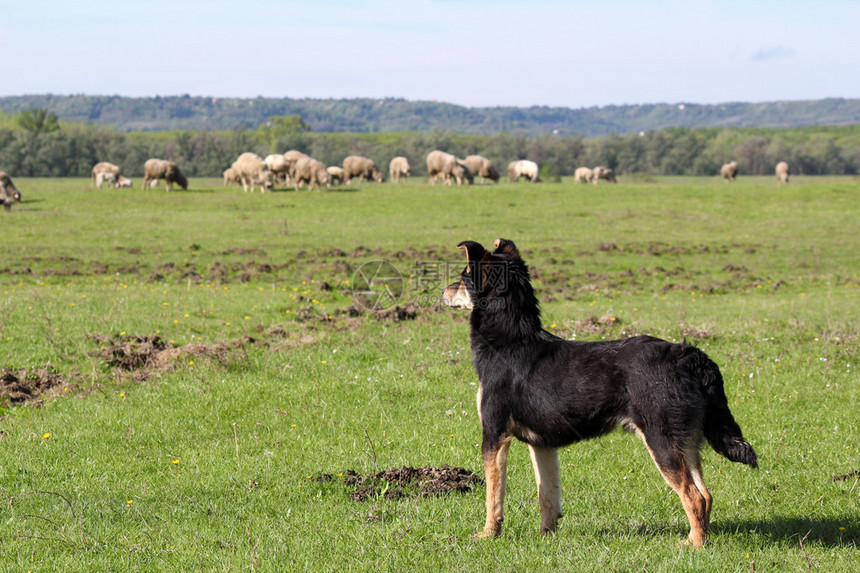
146	355
397	483
18	386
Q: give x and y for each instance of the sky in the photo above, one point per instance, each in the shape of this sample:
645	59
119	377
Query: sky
476	53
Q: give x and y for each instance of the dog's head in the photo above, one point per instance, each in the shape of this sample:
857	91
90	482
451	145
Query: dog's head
487	274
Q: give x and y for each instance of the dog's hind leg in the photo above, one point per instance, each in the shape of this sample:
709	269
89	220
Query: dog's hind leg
545	462
674	463
694	460
496	471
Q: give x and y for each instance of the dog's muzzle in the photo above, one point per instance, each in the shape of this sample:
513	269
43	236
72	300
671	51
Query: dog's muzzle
457	295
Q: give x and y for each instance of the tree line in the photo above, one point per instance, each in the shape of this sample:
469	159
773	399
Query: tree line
37	145
368	115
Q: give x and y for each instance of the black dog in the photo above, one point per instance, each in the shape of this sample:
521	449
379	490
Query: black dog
550	392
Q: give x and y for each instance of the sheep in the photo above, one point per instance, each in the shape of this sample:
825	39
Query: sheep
291	157
278	165
523	168
8	192
9	187
444	166
482	167
729	171
124	183
604	173
363	167
104	167
582	175
251	170
397	167
161	169
230	177
335	173
309	170
782	172
459	172
106	177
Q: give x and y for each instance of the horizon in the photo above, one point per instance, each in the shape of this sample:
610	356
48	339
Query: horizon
472	53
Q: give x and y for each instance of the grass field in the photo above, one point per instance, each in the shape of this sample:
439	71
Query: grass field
182	371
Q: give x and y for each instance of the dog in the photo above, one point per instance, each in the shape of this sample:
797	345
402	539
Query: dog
550	392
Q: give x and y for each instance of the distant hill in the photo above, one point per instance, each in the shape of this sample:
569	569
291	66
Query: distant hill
389	115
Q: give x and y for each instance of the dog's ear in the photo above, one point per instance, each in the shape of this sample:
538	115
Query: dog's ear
474	251
506	247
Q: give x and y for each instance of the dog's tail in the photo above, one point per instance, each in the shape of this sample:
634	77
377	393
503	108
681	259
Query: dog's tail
721	430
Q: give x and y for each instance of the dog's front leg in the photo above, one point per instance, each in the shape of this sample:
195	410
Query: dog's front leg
545	462
495	457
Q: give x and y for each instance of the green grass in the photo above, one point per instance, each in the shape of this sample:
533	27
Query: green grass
211	464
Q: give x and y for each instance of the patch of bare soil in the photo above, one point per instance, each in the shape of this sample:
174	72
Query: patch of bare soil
397	483
595	325
144	356
19	386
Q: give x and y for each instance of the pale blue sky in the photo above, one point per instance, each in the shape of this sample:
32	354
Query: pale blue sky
474	53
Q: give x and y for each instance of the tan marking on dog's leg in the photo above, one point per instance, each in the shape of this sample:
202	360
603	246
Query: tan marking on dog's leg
695	463
496	470
545	462
696	504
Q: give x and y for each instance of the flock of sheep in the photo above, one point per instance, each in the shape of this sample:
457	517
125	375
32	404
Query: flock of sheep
296	168
250	170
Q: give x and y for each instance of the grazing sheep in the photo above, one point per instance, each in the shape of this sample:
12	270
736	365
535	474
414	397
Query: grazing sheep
291	157
251	170
604	173
8	192
104	167
459	172
231	178
482	167
782	172
444	166
729	171
161	169
309	170
278	165
335	173
106	177
124	183
523	168
582	175
364	168
397	167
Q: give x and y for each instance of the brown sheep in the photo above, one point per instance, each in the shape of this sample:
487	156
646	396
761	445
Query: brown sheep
251	171
523	168
104	167
309	170
8	192
482	167
604	173
782	172
397	167
582	175
729	171
335	173
155	169
444	166
364	168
